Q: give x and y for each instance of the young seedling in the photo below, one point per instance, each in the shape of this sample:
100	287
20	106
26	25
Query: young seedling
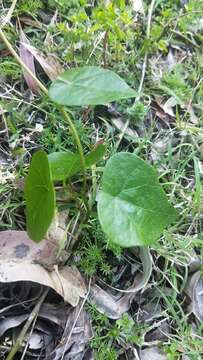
132	207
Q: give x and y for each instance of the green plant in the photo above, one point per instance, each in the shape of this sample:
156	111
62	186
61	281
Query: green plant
31	7
133	210
132	207
108	335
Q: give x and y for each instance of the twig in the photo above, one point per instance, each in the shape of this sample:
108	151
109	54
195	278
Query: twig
144	66
28	339
27	325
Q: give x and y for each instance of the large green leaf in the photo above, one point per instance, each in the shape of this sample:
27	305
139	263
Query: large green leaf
132	206
65	163
89	85
39	196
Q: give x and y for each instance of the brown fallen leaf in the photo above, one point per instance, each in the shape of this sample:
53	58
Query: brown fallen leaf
32	23
11	322
28	59
23	260
35	341
166	106
49	63
121	126
54	313
194	289
67	282
74	346
152	353
113	307
17	245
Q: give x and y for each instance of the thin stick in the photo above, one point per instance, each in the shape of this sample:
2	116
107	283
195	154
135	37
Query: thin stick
61	108
27	325
144	66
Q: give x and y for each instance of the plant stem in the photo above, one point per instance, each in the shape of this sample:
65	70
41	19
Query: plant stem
144	66
77	140
27	325
60	108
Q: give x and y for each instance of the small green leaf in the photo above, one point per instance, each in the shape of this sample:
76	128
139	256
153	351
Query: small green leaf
132	207
39	196
89	85
65	164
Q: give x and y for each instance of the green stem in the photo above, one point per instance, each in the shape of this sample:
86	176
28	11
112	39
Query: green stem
77	140
61	108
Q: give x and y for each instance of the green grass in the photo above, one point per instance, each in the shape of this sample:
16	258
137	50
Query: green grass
172	144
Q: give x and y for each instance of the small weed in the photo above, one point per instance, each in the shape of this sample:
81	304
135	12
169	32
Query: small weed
174	84
31	7
108	335
91	252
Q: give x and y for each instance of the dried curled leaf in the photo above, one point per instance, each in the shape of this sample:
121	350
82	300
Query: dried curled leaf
152	353
67	282
23	260
49	63
28	60
114	308
194	290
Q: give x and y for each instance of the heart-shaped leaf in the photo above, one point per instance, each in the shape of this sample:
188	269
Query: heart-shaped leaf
65	163
89	85
39	196
132	206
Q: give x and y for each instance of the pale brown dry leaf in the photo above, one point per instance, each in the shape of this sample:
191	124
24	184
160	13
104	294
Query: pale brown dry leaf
35	341
49	63
193	118
32	23
152	353
114	307
23	260
67	282
55	313
28	59
167	106
11	322
80	336
106	304
17	245
194	290
121	126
